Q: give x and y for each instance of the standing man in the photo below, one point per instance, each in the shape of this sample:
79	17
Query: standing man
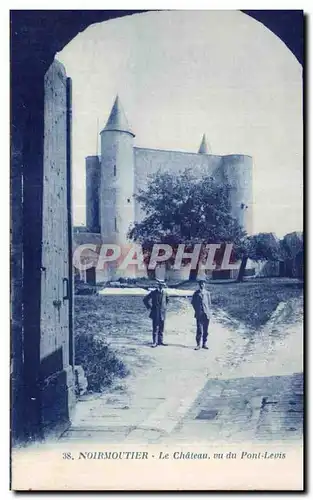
201	302
156	302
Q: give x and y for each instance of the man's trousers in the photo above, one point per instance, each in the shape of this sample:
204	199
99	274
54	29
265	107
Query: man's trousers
202	329
157	330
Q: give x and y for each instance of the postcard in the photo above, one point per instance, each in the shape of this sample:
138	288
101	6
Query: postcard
157	250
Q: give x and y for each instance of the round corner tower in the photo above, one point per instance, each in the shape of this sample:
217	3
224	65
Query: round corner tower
237	171
117	177
92	193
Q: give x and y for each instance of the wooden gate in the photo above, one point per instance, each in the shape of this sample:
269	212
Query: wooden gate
56	345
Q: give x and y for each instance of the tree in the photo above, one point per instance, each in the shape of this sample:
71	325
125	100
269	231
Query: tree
292	244
292	253
183	209
262	246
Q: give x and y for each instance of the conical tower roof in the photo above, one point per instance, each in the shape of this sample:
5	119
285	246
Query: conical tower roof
204	148
117	120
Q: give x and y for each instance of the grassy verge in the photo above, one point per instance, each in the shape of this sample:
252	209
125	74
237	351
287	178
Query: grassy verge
101	365
252	302
95	320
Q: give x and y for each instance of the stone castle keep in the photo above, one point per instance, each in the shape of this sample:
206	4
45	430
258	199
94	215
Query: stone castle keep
122	170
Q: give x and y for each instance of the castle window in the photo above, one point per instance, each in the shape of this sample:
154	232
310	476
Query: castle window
115	224
128	200
114	170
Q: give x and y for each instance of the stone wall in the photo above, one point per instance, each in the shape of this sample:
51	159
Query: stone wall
149	161
16	258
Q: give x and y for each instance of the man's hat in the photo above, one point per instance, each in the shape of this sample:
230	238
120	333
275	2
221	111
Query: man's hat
202	280
161	282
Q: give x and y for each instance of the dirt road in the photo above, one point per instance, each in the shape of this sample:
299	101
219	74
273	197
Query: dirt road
245	387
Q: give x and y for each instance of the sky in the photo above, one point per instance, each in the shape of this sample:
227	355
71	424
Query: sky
180	74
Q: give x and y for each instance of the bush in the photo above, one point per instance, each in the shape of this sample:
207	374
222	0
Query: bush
99	361
84	289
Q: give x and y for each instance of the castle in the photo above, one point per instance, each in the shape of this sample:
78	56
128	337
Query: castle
122	170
